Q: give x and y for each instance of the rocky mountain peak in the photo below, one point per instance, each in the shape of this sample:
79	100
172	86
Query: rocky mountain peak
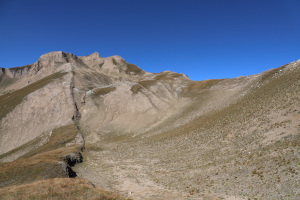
90	58
95	55
52	60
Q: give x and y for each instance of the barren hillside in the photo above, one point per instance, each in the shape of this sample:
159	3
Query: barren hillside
150	135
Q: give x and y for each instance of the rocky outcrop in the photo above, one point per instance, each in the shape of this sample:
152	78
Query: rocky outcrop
16	72
51	61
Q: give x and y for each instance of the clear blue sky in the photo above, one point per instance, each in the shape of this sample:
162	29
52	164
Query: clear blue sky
204	39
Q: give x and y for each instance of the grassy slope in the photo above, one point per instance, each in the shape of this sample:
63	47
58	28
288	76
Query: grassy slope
56	189
222	152
42	162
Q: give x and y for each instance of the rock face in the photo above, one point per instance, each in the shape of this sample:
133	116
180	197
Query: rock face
161	134
109	94
14	72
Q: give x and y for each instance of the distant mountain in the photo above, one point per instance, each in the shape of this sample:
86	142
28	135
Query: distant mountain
149	135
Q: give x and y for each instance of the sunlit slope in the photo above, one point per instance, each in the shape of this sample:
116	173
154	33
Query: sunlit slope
235	137
150	135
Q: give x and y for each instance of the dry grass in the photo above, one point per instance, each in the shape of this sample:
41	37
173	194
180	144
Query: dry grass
270	73
201	85
31	145
167	76
218	152
221	152
58	188
44	162
102	91
147	83
222	149
136	88
59	138
132	69
129	69
9	101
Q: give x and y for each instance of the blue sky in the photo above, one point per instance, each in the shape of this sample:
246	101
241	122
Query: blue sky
204	39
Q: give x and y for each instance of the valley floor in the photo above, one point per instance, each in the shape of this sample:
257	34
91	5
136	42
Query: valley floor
116	167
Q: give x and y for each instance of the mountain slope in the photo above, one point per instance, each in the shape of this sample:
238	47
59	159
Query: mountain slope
152	136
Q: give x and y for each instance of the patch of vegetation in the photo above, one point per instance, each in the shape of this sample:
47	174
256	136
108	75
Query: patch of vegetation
103	91
47	161
56	189
201	85
167	76
9	101
29	170
132	69
59	138
102	78
25	147
136	88
268	74
147	83
93	147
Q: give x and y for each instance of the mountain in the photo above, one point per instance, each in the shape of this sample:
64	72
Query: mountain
149	135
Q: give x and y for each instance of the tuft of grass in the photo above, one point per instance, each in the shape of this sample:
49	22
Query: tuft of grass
9	101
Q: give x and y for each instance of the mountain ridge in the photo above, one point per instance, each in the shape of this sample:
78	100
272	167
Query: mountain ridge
230	137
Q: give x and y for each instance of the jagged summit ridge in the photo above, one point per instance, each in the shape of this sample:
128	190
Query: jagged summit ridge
61	61
92	56
55	61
